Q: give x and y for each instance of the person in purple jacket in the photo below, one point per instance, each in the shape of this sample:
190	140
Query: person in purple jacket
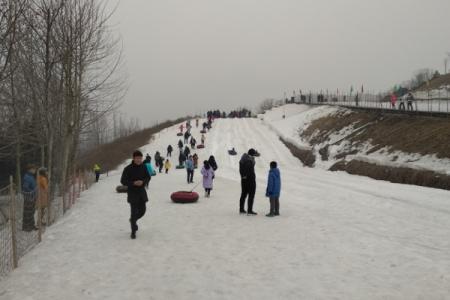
273	190
208	178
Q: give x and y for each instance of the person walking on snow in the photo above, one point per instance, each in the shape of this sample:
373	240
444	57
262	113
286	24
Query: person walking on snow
208	178
181	159
29	191
410	99
273	190
135	177
97	172
161	164
195	159
157	158
393	100
190	169
193	143
169	151
186	137
203	139
248	181
186	151
167	166
180	144
181	128
197	121
213	163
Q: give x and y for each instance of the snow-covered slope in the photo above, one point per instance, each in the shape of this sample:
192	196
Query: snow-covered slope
338	236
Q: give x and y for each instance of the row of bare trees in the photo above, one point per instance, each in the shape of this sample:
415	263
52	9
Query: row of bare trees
60	73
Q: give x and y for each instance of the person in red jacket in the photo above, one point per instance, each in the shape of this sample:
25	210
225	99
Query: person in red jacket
393	100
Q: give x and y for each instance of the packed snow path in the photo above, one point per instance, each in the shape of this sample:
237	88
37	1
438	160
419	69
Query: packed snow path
338	236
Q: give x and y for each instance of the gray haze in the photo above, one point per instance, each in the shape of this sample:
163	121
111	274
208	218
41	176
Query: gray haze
186	56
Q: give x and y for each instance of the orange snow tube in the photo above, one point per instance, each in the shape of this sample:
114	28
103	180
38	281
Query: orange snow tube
184	197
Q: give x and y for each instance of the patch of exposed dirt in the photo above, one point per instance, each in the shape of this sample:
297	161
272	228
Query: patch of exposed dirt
409	134
394	174
307	157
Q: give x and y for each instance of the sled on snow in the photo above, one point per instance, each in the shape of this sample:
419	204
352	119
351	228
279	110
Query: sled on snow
121	189
179	134
232	152
200	146
203	131
179	167
184	197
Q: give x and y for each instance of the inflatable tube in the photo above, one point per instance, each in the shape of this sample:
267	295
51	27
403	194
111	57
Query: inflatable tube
179	167
121	189
184	197
203	131
232	152
179	134
200	146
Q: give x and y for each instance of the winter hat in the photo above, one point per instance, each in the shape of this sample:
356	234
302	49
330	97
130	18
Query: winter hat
273	164
252	152
137	153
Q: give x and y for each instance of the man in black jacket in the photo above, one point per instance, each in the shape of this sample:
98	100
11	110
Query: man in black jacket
248	181
135	176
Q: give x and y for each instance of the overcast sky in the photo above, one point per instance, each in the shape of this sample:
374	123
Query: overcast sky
187	56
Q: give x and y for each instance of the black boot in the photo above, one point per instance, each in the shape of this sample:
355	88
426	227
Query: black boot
277	207
251	213
272	208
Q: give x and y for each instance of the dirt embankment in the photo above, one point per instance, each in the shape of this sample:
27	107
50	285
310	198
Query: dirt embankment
306	156
386	133
111	155
394	174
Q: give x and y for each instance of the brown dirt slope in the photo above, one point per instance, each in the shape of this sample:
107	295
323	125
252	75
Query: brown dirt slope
436	83
394	174
409	134
110	155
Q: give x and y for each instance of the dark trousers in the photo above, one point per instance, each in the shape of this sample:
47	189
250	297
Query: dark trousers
169	154
274	205
137	211
29	207
248	189
208	191
97	176
402	106
190	176
410	106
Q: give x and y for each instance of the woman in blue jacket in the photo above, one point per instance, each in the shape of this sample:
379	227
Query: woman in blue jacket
273	190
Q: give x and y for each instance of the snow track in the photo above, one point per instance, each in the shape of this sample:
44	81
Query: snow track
339	236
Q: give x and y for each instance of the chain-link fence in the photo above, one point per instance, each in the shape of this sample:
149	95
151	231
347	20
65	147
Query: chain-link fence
25	215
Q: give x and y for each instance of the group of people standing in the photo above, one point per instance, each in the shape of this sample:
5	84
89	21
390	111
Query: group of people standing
35	197
137	176
409	99
248	185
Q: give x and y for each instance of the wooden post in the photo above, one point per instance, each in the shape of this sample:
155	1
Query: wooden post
12	220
